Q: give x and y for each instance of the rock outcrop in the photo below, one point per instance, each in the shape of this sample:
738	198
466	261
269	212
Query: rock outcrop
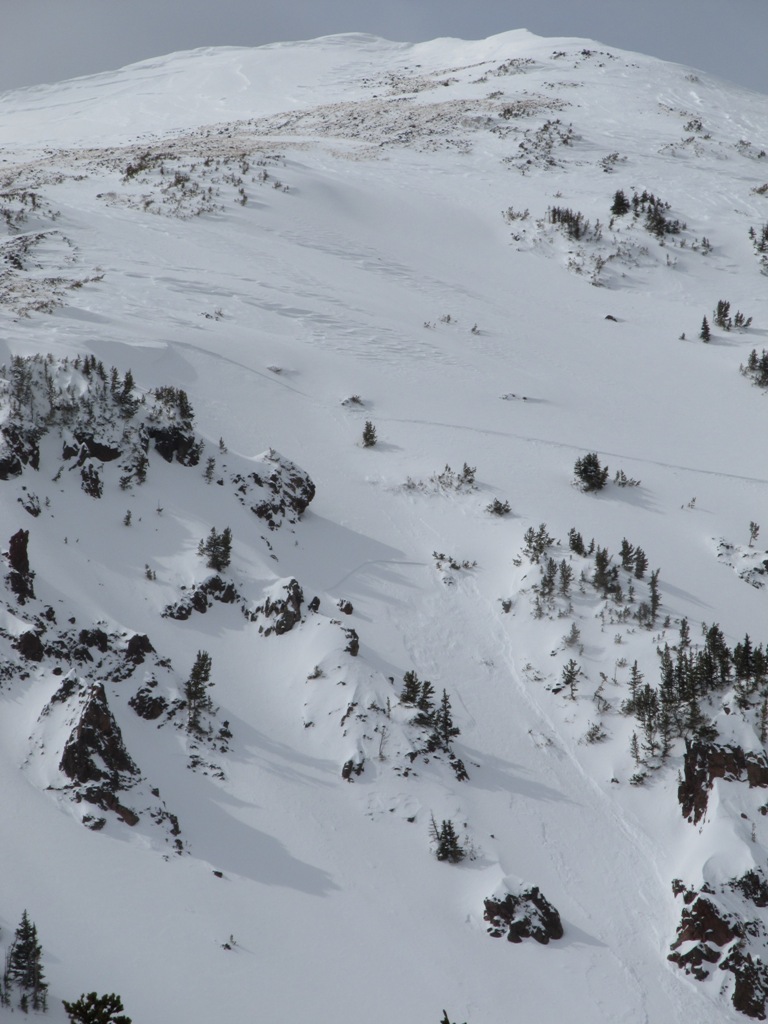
719	930
283	611
526	915
202	597
705	762
95	766
277	491
20	578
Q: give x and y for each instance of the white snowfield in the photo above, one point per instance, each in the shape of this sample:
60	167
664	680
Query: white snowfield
305	237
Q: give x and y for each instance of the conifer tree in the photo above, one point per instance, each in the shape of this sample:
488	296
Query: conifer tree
627	554
576	541
443	729
705	334
590	473
24	968
641	564
196	691
369	435
571	673
634	749
448	846
620	204
216	549
411	688
95	1009
655	596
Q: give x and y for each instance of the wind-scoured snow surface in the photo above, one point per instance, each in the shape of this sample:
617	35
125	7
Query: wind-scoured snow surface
304	238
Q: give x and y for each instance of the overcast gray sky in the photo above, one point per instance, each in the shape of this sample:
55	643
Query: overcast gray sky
48	40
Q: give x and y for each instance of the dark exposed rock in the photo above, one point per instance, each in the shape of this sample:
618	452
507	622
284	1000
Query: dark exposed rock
138	647
19	448
90	480
353	642
351	767
18	557
10	465
94	757
750	982
705	762
702	921
527	915
201	598
95	449
314	604
283	491
31	504
94	638
147	704
30	646
753	886
285	611
96	735
709	934
20	578
174	443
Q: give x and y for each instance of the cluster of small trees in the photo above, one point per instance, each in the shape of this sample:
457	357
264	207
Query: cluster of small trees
760	243
606	578
655	210
757	368
721	317
23	976
689	674
574	225
438	720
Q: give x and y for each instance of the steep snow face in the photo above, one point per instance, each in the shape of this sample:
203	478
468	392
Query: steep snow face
475	647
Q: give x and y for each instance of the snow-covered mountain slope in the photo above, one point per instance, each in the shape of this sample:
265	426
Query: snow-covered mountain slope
217	269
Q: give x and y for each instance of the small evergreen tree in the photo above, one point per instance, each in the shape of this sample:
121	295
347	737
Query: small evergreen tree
369	435
448	847
576	541
571	673
634	749
641	564
620	204
216	549
655	595
95	1009
590	473
196	691
627	555
425	704
443	729
705	334
24	968
411	688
